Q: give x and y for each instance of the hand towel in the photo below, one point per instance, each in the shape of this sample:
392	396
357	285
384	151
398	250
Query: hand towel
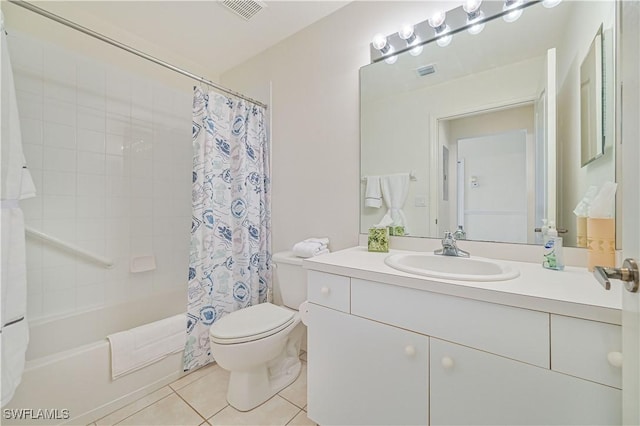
311	247
136	348
372	194
395	189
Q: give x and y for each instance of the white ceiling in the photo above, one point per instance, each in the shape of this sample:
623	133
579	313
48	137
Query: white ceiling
205	32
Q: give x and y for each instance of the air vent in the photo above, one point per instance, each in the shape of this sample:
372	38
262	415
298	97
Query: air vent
246	9
426	70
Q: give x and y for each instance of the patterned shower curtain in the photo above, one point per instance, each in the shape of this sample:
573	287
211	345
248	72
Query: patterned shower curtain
230	230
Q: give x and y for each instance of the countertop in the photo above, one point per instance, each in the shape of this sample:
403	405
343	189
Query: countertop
572	292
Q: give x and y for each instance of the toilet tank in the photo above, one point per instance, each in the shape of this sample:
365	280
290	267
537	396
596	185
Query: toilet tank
291	278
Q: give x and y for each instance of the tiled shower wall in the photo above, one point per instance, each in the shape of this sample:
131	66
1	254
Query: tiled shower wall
110	153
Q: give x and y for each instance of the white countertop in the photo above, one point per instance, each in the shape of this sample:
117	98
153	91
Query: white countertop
572	292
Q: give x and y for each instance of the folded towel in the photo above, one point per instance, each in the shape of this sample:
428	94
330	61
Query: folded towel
311	247
372	192
136	348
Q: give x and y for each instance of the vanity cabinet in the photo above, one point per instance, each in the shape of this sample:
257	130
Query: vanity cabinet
386	354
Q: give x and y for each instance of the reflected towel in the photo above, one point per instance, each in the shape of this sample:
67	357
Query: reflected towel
136	348
372	192
395	189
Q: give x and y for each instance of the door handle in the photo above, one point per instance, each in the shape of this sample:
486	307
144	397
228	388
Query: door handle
628	273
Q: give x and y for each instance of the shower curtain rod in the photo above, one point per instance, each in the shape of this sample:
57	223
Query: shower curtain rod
115	43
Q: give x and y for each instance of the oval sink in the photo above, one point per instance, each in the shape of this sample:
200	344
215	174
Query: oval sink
452	268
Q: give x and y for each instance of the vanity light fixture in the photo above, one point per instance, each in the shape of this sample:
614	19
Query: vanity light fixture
515	10
408	34
391	59
550	3
437	22
380	42
474	14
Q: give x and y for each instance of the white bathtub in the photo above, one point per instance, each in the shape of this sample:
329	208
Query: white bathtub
69	363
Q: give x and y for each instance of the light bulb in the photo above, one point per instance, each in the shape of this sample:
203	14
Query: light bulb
445	39
406	32
416	51
471	6
515	14
476	28
550	3
437	19
379	41
391	59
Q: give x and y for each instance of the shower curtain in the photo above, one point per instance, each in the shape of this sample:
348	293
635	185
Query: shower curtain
15	185
229	266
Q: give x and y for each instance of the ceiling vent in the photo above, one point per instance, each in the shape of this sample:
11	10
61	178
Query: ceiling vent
426	70
246	9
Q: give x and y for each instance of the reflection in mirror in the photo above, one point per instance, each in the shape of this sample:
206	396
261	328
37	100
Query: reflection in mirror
591	137
491	126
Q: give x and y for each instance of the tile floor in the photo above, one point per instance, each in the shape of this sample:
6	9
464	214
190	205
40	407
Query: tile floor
199	398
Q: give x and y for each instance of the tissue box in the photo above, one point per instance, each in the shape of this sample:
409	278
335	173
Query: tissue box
378	240
601	242
397	231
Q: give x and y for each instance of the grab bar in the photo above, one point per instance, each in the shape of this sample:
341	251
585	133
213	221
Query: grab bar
72	248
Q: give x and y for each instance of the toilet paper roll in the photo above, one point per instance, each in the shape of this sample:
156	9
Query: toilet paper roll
304	312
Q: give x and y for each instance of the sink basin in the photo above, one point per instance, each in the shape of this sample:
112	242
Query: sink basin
452	268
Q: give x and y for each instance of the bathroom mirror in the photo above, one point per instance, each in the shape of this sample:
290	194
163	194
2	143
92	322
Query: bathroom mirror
489	126
591	136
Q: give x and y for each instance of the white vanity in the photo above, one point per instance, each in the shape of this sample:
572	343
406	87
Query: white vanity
389	347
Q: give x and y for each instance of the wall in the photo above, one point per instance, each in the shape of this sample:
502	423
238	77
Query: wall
110	153
315	117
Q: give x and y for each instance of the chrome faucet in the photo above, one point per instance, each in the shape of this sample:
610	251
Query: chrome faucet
450	248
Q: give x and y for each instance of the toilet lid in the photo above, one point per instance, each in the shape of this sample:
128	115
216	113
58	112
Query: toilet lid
252	323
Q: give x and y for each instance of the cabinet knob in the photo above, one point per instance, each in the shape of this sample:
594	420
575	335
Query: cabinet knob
615	359
325	290
410	350
447	362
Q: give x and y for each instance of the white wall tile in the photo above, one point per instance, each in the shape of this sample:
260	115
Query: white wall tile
59	183
31	130
59	159
103	146
59	206
90	185
91	119
26	54
59	111
90	140
35	280
30	105
56	302
59	135
91	163
59	278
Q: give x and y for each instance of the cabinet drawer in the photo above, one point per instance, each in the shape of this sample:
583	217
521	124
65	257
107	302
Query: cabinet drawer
332	291
581	348
516	333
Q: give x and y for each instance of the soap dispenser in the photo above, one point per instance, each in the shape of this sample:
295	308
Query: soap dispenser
553	256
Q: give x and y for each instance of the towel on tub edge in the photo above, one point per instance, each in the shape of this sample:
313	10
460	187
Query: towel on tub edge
136	348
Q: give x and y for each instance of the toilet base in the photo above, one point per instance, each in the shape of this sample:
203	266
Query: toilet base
250	388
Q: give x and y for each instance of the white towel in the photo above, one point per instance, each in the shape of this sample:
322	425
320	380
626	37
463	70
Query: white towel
395	189
372	194
15	184
136	348
311	247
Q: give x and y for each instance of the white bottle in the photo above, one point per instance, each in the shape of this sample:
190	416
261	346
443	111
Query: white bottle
552	256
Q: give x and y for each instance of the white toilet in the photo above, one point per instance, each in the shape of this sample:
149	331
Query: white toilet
260	345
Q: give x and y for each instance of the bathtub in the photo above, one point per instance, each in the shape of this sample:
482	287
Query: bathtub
68	370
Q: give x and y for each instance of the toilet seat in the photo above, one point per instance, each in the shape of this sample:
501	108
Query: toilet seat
252	323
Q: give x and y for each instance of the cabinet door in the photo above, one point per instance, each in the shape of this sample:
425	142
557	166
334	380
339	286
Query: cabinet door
473	387
361	372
